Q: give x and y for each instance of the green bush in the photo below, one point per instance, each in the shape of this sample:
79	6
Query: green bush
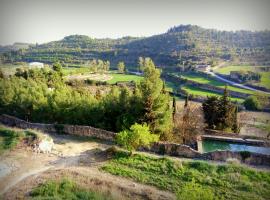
194	191
138	135
252	103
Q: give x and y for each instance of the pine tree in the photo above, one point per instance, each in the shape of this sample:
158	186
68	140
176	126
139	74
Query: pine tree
156	111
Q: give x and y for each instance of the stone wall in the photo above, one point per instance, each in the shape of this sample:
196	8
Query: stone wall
53	128
179	150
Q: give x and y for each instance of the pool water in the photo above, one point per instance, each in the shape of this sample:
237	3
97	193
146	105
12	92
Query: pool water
213	145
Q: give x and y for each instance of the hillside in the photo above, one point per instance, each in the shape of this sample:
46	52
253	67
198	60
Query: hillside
188	43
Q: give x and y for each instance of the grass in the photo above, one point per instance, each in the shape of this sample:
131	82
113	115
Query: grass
204	93
124	77
265	79
211	81
75	70
192	178
64	189
9	138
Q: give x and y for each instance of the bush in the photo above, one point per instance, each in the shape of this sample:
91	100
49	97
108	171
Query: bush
194	191
252	103
138	135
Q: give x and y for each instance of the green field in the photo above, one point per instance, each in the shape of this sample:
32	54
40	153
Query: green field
210	81
193	179
204	93
265	79
124	77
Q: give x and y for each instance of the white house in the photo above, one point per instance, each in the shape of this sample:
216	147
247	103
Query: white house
36	65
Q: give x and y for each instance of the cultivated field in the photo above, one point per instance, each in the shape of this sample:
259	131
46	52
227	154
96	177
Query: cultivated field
210	81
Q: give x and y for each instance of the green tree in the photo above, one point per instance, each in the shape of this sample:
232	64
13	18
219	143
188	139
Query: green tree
121	67
139	135
156	104
220	113
57	67
252	103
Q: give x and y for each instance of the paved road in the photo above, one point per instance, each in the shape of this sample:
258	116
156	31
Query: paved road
209	71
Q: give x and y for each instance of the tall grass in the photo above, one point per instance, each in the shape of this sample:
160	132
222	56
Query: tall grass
64	189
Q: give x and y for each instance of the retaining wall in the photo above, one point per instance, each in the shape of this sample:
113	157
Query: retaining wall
173	149
53	128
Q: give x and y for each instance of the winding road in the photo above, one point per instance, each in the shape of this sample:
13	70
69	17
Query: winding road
209	71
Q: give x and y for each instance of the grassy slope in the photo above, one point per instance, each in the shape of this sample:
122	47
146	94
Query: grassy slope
223	181
9	138
265	79
211	81
64	189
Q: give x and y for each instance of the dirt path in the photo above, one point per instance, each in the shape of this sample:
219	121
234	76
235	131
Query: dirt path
21	170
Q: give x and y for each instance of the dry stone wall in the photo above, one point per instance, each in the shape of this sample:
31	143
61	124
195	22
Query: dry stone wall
53	128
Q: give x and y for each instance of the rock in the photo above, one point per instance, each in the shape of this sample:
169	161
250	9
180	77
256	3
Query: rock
45	145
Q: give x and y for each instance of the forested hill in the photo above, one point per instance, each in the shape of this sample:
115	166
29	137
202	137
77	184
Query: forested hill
188	43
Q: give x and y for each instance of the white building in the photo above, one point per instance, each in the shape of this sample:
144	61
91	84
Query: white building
36	65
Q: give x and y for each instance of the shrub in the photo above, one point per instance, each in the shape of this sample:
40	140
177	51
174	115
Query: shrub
194	191
138	135
252	103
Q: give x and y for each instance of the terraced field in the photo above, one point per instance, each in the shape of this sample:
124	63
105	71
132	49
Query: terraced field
204	93
211	81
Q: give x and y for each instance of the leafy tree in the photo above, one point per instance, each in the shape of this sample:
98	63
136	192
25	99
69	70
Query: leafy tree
252	103
220	113
121	67
156	104
57	67
139	135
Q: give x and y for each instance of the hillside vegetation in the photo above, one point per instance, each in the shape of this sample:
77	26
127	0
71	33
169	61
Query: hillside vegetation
193	180
188	43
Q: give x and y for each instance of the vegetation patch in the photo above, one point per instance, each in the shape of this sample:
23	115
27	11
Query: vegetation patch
124	77
9	138
204	93
194	179
64	189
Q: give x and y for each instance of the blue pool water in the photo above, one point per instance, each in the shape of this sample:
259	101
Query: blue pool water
213	145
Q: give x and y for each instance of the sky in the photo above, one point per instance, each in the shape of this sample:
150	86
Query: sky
39	21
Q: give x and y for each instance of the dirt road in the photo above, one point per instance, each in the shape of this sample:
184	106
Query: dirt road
21	170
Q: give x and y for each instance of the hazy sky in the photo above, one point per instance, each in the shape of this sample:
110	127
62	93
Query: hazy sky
46	20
